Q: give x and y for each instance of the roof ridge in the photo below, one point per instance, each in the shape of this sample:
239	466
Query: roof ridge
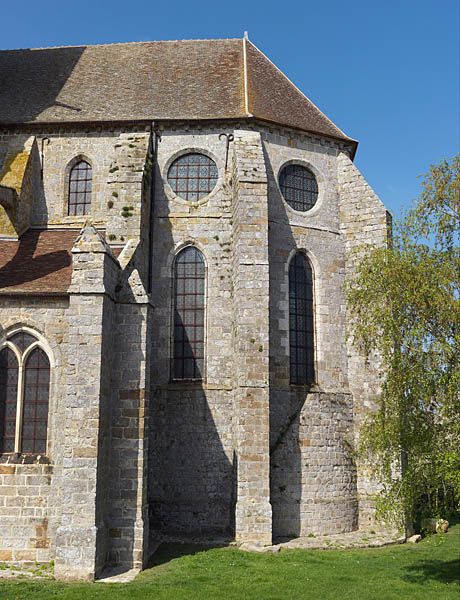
300	91
133	43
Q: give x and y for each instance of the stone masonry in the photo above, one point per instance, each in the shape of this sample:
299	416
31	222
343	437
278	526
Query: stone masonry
133	455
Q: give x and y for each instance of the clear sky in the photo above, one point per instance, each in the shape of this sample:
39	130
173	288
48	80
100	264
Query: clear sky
385	71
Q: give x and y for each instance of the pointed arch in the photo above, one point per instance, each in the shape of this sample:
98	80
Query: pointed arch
25	369
80	188
189	314
301	320
35	402
9	384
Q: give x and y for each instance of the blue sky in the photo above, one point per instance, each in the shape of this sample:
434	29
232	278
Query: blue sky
386	72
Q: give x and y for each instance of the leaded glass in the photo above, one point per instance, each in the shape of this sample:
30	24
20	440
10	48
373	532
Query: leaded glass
299	187
9	370
193	176
36	397
80	189
22	340
301	326
189	306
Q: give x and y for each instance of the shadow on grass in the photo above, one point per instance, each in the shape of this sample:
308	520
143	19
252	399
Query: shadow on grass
437	570
169	551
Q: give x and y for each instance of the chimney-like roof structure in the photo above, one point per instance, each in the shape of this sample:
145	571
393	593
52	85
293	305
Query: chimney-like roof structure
146	81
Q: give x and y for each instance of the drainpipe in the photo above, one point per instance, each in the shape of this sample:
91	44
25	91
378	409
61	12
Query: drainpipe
155	137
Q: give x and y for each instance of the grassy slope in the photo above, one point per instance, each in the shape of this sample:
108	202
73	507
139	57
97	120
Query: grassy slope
428	570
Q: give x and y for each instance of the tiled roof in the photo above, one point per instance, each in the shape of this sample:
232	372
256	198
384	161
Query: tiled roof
177	80
39	262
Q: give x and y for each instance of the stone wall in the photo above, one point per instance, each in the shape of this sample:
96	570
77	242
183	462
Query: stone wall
313	479
364	221
130	450
191	439
29	504
117	157
24	513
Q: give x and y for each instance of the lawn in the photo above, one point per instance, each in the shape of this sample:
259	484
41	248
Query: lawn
429	570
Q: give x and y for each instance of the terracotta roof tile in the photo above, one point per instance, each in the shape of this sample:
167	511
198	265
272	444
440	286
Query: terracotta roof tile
40	262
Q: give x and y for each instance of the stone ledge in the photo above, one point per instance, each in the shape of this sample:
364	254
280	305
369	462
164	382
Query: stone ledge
343	541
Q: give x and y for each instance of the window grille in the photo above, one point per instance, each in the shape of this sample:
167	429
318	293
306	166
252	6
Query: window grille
193	176
189	314
24	395
9	370
80	189
299	187
301	322
36	397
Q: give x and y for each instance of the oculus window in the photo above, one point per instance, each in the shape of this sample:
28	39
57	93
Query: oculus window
193	176
299	187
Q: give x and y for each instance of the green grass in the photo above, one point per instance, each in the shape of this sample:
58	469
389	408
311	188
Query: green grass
428	570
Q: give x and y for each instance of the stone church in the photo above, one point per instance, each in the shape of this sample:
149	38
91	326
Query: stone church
177	222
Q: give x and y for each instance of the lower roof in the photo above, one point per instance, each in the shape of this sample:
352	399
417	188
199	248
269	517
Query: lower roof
40	262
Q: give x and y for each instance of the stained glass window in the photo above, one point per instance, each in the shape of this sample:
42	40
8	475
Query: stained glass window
301	322
9	370
80	189
193	176
299	187
30	391
189	310
36	397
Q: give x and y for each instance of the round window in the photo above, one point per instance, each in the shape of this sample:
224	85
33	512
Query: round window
299	187
192	176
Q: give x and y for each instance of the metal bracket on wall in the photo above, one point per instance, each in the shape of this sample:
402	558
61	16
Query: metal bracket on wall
42	154
229	137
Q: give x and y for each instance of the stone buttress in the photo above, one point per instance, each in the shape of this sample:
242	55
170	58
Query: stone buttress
253	517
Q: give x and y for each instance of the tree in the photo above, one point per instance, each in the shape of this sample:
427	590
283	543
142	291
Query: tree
405	307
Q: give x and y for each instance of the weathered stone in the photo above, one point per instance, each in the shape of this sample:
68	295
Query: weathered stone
242	454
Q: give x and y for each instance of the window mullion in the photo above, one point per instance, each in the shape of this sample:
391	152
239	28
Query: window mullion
19	408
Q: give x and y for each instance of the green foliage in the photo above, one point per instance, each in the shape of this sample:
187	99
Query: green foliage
405	304
187	572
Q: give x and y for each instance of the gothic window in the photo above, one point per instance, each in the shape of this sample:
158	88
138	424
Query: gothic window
189	313
9	369
301	326
80	189
193	176
299	187
24	395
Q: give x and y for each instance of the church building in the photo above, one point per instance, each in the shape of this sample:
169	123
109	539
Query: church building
177	225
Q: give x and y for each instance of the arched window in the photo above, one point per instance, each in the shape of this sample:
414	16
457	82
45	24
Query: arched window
299	187
24	395
301	325
193	176
80	189
9	369
189	308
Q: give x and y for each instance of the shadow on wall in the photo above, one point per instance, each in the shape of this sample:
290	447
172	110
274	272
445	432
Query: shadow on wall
127	343
191	477
312	476
23	267
31	81
285	408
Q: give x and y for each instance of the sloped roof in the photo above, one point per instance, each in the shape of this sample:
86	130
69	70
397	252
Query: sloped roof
39	262
172	80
